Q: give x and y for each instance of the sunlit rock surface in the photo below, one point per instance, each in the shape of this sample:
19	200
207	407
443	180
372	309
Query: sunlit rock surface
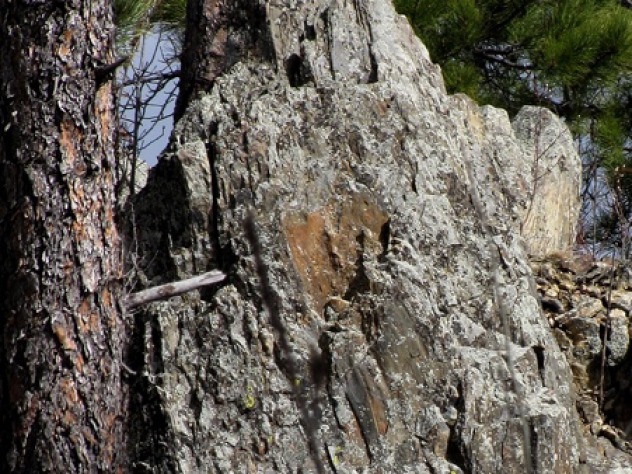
370	227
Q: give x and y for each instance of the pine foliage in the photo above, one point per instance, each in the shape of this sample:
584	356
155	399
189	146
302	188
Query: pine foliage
572	56
134	18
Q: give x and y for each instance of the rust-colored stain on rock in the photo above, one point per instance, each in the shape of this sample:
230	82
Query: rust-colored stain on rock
327	244
378	409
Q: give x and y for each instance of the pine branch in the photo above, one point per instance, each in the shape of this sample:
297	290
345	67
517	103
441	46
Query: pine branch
105	73
157	77
499	59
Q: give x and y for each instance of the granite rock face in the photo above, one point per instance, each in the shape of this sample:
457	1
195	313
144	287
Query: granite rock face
380	314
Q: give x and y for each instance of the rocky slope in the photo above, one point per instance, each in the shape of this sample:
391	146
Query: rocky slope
586	300
380	314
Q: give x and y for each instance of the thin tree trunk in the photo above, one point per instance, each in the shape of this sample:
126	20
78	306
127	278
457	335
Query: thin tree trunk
62	397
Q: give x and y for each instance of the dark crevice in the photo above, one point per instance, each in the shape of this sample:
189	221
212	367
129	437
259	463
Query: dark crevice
617	409
223	255
161	209
156	365
319	367
211	153
310	31
455	453
31	442
373	76
385	236
293	70
532	463
196	405
298	70
360	283
552	305
324	17
148	425
539	354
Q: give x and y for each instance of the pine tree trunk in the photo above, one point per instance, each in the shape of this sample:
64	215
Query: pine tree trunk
62	398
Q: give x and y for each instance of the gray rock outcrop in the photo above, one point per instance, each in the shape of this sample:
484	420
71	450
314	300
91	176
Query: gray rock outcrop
549	221
380	314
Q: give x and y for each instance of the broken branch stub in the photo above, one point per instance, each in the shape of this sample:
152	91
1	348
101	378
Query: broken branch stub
175	288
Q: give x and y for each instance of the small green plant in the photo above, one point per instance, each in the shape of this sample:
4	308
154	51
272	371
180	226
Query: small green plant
249	401
336	457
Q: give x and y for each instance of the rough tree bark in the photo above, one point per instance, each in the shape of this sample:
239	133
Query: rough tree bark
219	33
62	395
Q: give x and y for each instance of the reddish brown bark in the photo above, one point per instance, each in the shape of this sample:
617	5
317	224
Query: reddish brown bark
219	33
62	398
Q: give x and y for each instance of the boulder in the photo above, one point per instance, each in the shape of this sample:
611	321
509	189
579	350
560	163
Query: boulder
549	220
379	314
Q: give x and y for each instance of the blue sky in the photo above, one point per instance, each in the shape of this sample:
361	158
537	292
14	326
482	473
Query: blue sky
155	55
